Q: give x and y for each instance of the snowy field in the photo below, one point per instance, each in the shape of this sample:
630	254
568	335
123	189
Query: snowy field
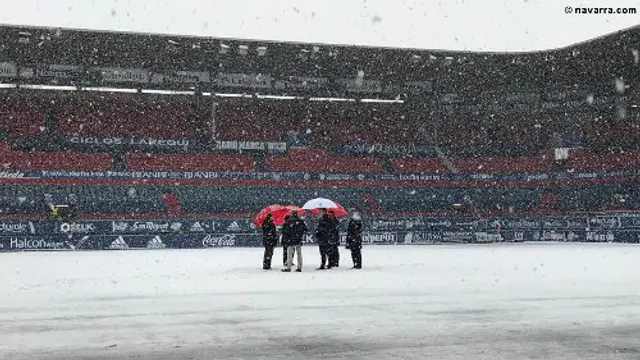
503	301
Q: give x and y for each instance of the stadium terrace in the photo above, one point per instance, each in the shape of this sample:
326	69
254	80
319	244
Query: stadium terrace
387	131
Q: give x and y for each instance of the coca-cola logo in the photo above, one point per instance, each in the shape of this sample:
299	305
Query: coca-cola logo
219	241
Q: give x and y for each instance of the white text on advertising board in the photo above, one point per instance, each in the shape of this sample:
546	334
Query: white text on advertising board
380	238
25	243
11	175
8	69
77	228
13	228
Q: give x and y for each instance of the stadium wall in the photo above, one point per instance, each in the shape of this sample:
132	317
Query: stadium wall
183	233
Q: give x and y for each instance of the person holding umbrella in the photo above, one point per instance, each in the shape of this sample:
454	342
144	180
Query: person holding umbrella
278	215
354	239
269	241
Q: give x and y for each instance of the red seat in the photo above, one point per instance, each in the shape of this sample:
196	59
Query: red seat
518	164
316	160
125	115
55	160
580	160
22	113
190	162
418	165
259	120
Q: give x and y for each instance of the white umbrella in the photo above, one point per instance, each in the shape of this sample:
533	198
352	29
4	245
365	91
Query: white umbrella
319	203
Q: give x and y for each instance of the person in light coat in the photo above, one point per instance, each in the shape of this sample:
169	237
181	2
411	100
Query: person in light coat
294	230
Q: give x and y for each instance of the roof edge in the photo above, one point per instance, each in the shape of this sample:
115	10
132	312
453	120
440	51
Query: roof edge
294	43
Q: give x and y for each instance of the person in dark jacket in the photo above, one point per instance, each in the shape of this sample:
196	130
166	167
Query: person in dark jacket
334	240
269	241
322	237
354	239
284	246
295	229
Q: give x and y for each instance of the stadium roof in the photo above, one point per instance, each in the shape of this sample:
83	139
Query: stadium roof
289	67
426	25
629	31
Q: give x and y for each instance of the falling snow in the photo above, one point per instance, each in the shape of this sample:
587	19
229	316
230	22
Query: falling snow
110	128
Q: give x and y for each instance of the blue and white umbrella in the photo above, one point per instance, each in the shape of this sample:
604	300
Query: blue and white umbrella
319	203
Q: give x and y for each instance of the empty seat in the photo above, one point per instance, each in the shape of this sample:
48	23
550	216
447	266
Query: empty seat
516	164
190	162
418	165
125	115
22	114
580	160
316	160
55	160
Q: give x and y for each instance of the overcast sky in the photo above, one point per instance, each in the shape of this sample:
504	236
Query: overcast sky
474	25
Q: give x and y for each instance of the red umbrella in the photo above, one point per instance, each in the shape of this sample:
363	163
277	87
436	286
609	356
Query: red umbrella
278	212
339	210
278	216
259	218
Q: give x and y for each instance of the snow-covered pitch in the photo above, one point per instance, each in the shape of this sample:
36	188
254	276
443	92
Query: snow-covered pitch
501	301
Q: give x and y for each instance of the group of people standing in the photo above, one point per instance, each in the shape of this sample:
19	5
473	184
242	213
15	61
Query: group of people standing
327	236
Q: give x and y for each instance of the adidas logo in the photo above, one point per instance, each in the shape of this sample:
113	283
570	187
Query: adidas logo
119	244
156	243
234	227
196	227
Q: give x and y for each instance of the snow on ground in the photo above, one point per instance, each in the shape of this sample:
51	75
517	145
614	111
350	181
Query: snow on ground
502	301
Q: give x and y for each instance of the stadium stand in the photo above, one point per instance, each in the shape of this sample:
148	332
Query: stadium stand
463	116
